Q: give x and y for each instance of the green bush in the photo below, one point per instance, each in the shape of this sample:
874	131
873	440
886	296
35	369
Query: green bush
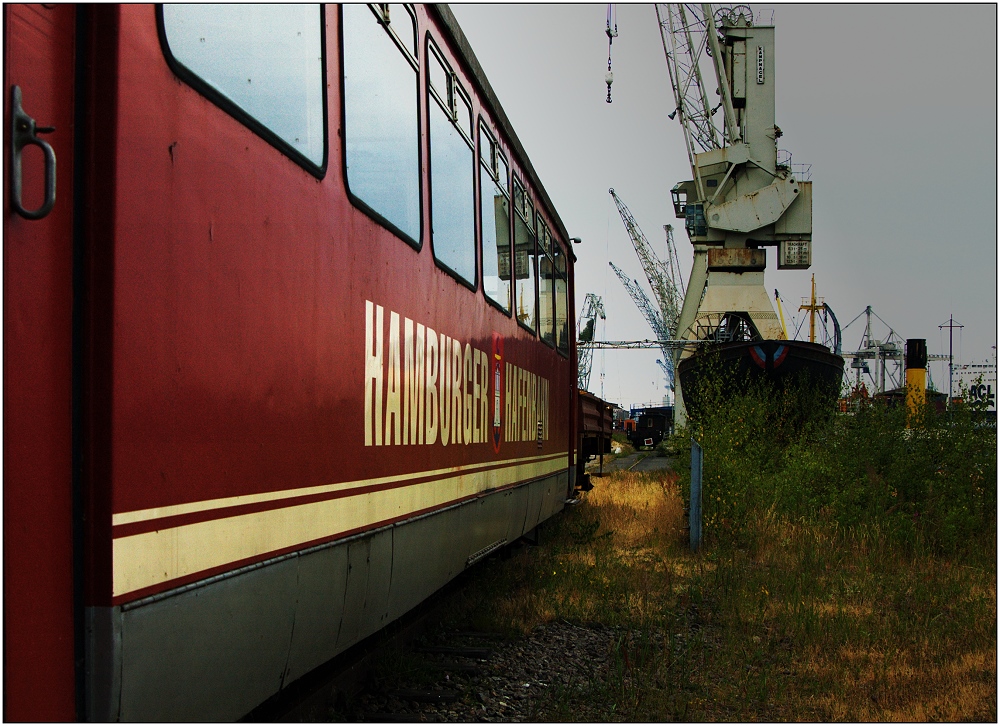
930	486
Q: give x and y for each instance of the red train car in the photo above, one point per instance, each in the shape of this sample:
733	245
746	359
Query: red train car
286	344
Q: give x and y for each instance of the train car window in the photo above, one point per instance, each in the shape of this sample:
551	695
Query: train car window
463	113
525	268
381	125
438	77
546	299
453	225
544	239
562	299
503	173
494	220
546	284
404	27
263	64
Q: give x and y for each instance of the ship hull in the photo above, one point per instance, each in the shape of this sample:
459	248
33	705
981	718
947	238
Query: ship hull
778	362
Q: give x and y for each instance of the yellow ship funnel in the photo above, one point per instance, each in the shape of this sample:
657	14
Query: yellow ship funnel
916	377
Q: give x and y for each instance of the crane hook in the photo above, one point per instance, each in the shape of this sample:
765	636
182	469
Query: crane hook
609	77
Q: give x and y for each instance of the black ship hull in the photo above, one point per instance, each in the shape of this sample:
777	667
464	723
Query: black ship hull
779	362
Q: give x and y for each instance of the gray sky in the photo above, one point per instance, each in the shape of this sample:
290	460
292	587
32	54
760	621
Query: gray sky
894	106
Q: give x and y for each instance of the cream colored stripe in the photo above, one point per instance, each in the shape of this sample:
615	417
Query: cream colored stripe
142	515
151	558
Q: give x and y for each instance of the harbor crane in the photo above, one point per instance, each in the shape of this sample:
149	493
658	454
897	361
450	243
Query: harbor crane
593	308
653	317
744	195
664	279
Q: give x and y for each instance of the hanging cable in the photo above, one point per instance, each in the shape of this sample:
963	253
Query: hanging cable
612	34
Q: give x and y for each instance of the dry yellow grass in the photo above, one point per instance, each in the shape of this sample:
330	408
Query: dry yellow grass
801	622
638	509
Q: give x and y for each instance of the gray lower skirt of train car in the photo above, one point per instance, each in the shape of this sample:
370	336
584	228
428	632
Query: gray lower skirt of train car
214	650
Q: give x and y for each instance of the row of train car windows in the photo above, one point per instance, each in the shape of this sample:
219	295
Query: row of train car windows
381	88
264	64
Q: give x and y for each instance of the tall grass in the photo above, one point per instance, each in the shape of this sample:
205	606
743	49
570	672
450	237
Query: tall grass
848	572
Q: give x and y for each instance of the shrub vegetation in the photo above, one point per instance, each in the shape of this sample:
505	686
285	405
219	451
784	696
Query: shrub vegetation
928	482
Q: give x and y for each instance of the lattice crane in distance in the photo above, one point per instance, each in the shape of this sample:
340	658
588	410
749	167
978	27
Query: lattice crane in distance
593	308
653	317
664	279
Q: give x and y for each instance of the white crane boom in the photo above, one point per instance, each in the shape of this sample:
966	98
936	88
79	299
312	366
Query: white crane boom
683	29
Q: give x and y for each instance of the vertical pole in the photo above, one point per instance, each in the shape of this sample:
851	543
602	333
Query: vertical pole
951	371
881	357
812	312
694	521
916	379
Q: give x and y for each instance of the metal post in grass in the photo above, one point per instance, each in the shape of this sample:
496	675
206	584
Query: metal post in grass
694	516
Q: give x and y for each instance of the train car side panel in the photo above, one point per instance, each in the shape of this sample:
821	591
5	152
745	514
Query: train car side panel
319	611
39	632
209	653
298	419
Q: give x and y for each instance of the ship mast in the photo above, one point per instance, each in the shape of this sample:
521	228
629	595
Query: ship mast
813	306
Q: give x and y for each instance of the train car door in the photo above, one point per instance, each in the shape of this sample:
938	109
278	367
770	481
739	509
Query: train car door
39	649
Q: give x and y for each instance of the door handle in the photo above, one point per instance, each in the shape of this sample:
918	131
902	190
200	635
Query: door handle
23	133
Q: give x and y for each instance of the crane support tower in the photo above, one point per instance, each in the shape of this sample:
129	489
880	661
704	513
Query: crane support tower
743	195
593	308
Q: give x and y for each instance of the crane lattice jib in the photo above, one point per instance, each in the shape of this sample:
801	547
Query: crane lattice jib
593	308
684	31
663	276
689	35
653	317
676	278
642	302
675	265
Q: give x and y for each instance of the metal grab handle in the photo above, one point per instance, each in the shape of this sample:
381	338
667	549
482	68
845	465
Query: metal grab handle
23	134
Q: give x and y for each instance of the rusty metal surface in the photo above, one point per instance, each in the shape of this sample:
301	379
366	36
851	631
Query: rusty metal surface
595	415
737	259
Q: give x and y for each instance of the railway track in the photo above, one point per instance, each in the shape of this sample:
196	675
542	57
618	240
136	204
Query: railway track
448	660
426	667
330	689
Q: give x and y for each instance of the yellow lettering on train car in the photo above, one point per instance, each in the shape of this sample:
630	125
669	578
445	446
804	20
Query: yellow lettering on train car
422	386
373	373
431	394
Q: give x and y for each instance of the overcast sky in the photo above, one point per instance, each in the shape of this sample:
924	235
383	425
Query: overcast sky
894	106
